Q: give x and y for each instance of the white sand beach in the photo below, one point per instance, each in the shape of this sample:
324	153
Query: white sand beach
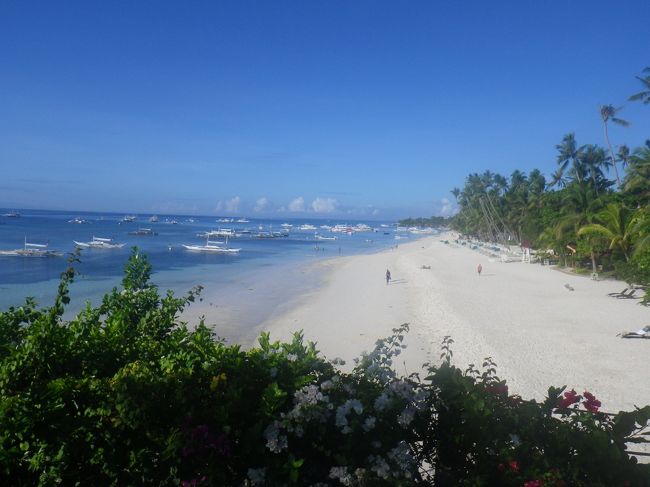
539	332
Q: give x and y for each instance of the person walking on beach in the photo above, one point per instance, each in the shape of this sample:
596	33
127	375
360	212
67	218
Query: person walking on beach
479	269
387	277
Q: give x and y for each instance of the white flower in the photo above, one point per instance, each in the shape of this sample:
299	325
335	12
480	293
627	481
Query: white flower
292	357
379	466
406	417
274	441
382	402
341	474
369	423
256	475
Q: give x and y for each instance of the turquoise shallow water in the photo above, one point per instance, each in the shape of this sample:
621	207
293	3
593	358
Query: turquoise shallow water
243	289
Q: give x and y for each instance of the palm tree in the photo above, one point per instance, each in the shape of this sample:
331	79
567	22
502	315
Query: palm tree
569	155
608	113
643	96
637	178
623	155
456	193
558	178
593	160
617	224
580	206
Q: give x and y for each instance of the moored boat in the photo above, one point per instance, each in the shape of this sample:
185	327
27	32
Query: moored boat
144	232
99	243
211	247
31	250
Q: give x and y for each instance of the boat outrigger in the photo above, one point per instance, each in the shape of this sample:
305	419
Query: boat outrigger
212	247
99	243
31	250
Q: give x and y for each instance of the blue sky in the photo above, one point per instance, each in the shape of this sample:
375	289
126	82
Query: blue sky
366	108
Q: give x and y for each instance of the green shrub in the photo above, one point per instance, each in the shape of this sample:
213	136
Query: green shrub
126	394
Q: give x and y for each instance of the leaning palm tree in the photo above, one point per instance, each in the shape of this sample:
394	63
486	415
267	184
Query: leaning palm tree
607	114
618	224
643	96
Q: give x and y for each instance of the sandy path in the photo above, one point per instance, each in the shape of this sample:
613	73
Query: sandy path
538	332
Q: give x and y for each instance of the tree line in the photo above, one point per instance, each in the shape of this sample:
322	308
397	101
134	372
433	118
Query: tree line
594	209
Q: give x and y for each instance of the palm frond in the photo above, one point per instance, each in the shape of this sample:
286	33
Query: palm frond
620	121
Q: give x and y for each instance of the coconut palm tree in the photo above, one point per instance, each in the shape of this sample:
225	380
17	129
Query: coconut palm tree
623	155
607	114
580	206
569	156
637	178
616	223
643	96
593	160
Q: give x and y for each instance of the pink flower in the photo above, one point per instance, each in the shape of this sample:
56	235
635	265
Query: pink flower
514	466
533	483
591	403
570	397
501	467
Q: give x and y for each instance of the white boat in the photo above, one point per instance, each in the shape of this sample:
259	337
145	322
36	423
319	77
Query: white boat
78	221
99	243
11	214
243	220
129	218
307	226
211	247
153	219
144	231
225	220
286	225
362	227
320	237
31	250
343	229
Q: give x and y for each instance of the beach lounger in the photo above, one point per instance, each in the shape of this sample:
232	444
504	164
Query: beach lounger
629	295
618	293
642	333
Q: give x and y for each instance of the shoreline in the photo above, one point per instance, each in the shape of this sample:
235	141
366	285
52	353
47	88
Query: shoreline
538	331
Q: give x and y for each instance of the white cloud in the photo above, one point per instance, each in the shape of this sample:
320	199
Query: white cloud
232	205
446	208
298	204
261	204
324	205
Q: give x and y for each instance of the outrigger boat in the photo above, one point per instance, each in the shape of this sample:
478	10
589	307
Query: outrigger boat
212	247
144	231
320	237
78	221
31	250
99	243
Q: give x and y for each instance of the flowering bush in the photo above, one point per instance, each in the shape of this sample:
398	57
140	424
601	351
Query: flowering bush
126	394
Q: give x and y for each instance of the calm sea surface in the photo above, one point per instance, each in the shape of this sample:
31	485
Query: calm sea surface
270	266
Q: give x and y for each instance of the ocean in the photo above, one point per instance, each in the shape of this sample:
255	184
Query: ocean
245	288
